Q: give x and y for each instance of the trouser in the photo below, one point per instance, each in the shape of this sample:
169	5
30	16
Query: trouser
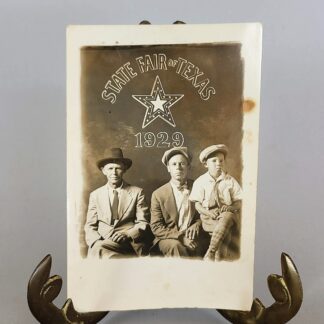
174	247
109	249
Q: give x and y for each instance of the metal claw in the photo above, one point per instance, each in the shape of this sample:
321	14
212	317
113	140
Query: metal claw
286	290
41	292
145	22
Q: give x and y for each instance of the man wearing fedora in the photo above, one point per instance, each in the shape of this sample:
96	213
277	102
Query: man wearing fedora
117	215
174	220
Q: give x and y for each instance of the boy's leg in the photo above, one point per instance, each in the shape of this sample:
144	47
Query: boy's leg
208	224
222	252
225	222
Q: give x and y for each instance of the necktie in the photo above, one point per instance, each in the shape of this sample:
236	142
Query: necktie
114	206
184	211
214	197
183	187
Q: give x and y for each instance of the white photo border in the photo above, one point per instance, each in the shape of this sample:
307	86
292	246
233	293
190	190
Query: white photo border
162	282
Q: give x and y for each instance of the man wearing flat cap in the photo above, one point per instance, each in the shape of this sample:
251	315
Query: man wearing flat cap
117	214
174	220
217	197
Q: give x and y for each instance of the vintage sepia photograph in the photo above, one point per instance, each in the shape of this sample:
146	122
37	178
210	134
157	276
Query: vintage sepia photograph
162	164
182	141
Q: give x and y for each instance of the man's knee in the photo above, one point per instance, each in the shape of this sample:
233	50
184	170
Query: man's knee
95	249
172	247
109	248
169	244
176	245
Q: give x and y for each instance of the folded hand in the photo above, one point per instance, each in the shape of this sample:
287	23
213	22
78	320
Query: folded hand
119	237
191	244
214	213
192	232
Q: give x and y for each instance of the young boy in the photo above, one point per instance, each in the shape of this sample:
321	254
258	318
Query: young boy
217	197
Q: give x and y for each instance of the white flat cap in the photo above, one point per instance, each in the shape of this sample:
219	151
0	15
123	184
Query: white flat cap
212	149
175	150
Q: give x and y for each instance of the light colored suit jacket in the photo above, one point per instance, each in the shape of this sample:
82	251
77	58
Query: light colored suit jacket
133	214
164	214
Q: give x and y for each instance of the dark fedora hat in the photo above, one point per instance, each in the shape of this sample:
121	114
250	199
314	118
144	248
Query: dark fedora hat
116	156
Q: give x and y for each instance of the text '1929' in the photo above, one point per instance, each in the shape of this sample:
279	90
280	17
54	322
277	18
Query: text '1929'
160	140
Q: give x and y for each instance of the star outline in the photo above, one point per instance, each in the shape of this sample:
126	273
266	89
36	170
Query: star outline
146	101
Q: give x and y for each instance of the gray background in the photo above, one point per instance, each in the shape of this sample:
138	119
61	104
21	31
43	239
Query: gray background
32	134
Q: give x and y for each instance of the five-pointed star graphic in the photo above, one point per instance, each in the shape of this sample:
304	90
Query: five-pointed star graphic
158	104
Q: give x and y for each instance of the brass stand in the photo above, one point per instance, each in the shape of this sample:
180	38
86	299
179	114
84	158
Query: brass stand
286	290
42	290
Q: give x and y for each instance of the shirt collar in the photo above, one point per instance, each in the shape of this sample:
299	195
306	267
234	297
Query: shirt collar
174	187
220	178
118	188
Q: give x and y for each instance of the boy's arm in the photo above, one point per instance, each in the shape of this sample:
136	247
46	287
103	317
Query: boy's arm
235	207
205	212
197	197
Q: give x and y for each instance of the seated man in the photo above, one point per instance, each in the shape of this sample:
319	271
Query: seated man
117	214
174	221
217	196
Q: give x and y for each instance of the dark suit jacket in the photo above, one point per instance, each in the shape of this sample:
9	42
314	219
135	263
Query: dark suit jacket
164	214
133	214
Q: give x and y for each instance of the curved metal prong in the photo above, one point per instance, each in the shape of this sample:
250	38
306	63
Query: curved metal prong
145	22
286	290
42	290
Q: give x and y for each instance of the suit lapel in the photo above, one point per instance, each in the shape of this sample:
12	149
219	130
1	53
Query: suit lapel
170	203
105	204
191	203
125	200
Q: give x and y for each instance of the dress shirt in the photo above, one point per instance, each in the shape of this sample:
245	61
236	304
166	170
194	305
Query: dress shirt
111	193
181	196
228	189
